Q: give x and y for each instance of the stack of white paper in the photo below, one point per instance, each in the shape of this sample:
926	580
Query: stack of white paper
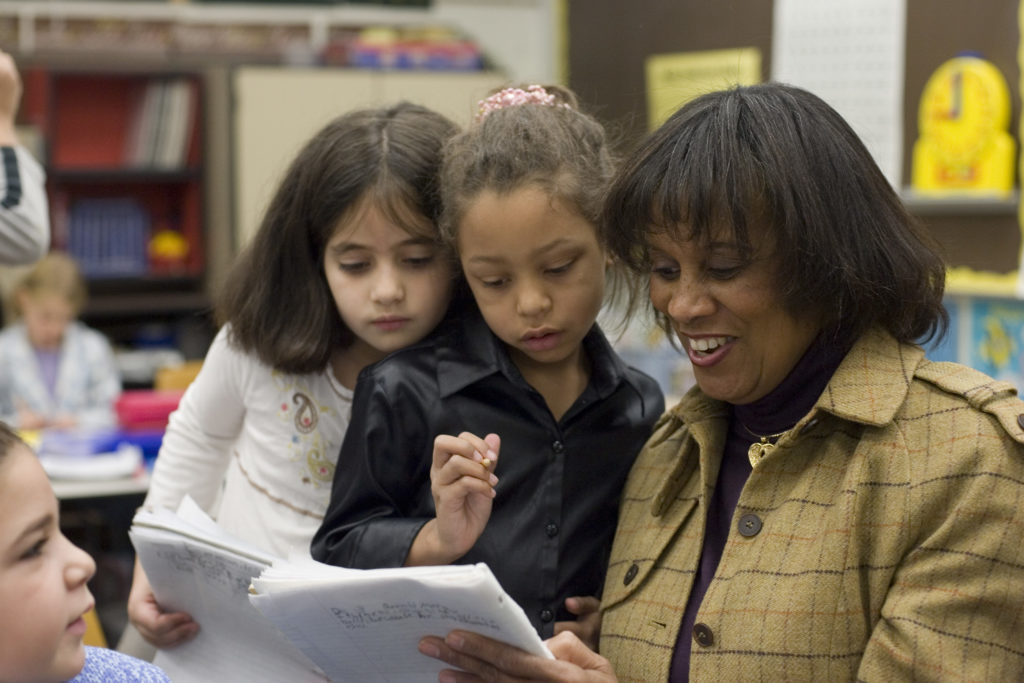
364	625
267	619
195	566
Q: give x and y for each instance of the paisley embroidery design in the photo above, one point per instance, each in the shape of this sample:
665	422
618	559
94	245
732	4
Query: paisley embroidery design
320	467
306	417
307	447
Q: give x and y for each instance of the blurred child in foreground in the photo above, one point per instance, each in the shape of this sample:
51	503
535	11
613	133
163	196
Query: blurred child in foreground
44	595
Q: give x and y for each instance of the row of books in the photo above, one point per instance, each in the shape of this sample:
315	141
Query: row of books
163	123
108	236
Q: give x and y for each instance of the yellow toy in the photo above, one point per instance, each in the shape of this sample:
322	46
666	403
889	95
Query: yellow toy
963	121
168	249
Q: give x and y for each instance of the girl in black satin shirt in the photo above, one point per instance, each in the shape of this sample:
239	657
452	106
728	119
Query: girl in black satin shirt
507	436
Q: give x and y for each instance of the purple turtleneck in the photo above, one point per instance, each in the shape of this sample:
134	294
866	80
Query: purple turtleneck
776	412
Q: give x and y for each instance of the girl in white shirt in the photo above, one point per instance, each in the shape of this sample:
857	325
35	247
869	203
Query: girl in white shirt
346	267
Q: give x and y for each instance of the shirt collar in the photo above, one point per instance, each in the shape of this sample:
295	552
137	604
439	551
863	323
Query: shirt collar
872	382
470	352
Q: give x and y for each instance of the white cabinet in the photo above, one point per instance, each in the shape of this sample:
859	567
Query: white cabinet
277	109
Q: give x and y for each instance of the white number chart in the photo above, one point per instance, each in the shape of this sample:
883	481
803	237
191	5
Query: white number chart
851	54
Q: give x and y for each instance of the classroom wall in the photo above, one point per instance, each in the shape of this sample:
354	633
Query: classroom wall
610	40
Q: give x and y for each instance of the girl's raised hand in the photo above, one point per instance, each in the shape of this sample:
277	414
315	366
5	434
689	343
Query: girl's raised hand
462	483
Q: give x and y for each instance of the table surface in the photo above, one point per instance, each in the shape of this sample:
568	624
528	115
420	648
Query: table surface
66	489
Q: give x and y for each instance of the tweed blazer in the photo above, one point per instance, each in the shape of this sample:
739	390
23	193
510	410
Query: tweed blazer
882	540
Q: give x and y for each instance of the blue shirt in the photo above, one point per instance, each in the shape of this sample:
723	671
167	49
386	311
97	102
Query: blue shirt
110	666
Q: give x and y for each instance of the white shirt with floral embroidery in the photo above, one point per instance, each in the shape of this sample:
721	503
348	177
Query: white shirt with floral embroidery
263	442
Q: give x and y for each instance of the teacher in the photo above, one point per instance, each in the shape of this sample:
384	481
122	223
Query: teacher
826	503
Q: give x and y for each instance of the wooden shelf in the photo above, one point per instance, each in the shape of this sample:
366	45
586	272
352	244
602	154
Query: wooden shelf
155	304
124	152
960	204
523	38
124	175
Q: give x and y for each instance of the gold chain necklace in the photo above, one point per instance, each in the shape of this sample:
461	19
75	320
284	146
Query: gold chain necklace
764	445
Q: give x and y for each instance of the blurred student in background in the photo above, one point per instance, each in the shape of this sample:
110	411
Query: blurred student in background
55	372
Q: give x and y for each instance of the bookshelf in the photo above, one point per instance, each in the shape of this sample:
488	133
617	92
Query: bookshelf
522	38
90	63
123	151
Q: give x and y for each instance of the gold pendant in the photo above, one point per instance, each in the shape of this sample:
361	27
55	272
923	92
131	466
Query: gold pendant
758	450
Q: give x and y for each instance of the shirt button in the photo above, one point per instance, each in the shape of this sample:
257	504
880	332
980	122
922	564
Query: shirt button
703	635
558	447
551	529
749	525
630	575
546	615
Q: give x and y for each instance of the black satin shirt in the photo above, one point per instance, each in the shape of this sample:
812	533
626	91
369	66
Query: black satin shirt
557	499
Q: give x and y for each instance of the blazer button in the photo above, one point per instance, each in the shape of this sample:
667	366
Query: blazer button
558	447
703	635
630	575
546	615
811	424
749	525
551	529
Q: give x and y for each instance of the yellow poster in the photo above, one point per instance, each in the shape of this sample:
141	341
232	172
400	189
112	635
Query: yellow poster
1019	289
674	79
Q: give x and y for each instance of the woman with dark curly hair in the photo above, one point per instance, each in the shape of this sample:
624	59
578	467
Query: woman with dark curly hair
826	504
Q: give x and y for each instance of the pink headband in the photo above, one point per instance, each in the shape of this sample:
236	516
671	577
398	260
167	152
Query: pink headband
513	97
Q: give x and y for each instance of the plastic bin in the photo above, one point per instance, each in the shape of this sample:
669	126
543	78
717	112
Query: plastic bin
147	409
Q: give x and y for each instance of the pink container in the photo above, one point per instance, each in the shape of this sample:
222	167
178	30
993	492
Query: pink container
146	409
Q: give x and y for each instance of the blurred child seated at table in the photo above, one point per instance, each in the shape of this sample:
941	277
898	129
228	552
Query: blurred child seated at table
54	371
44	596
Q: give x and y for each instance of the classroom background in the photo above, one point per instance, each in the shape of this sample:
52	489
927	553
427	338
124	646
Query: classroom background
163	127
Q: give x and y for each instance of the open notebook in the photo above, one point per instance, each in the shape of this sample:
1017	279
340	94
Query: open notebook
269	619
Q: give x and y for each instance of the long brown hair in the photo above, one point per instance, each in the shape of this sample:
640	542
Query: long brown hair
276	296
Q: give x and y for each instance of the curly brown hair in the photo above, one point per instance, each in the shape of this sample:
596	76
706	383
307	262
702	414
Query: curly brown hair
559	148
